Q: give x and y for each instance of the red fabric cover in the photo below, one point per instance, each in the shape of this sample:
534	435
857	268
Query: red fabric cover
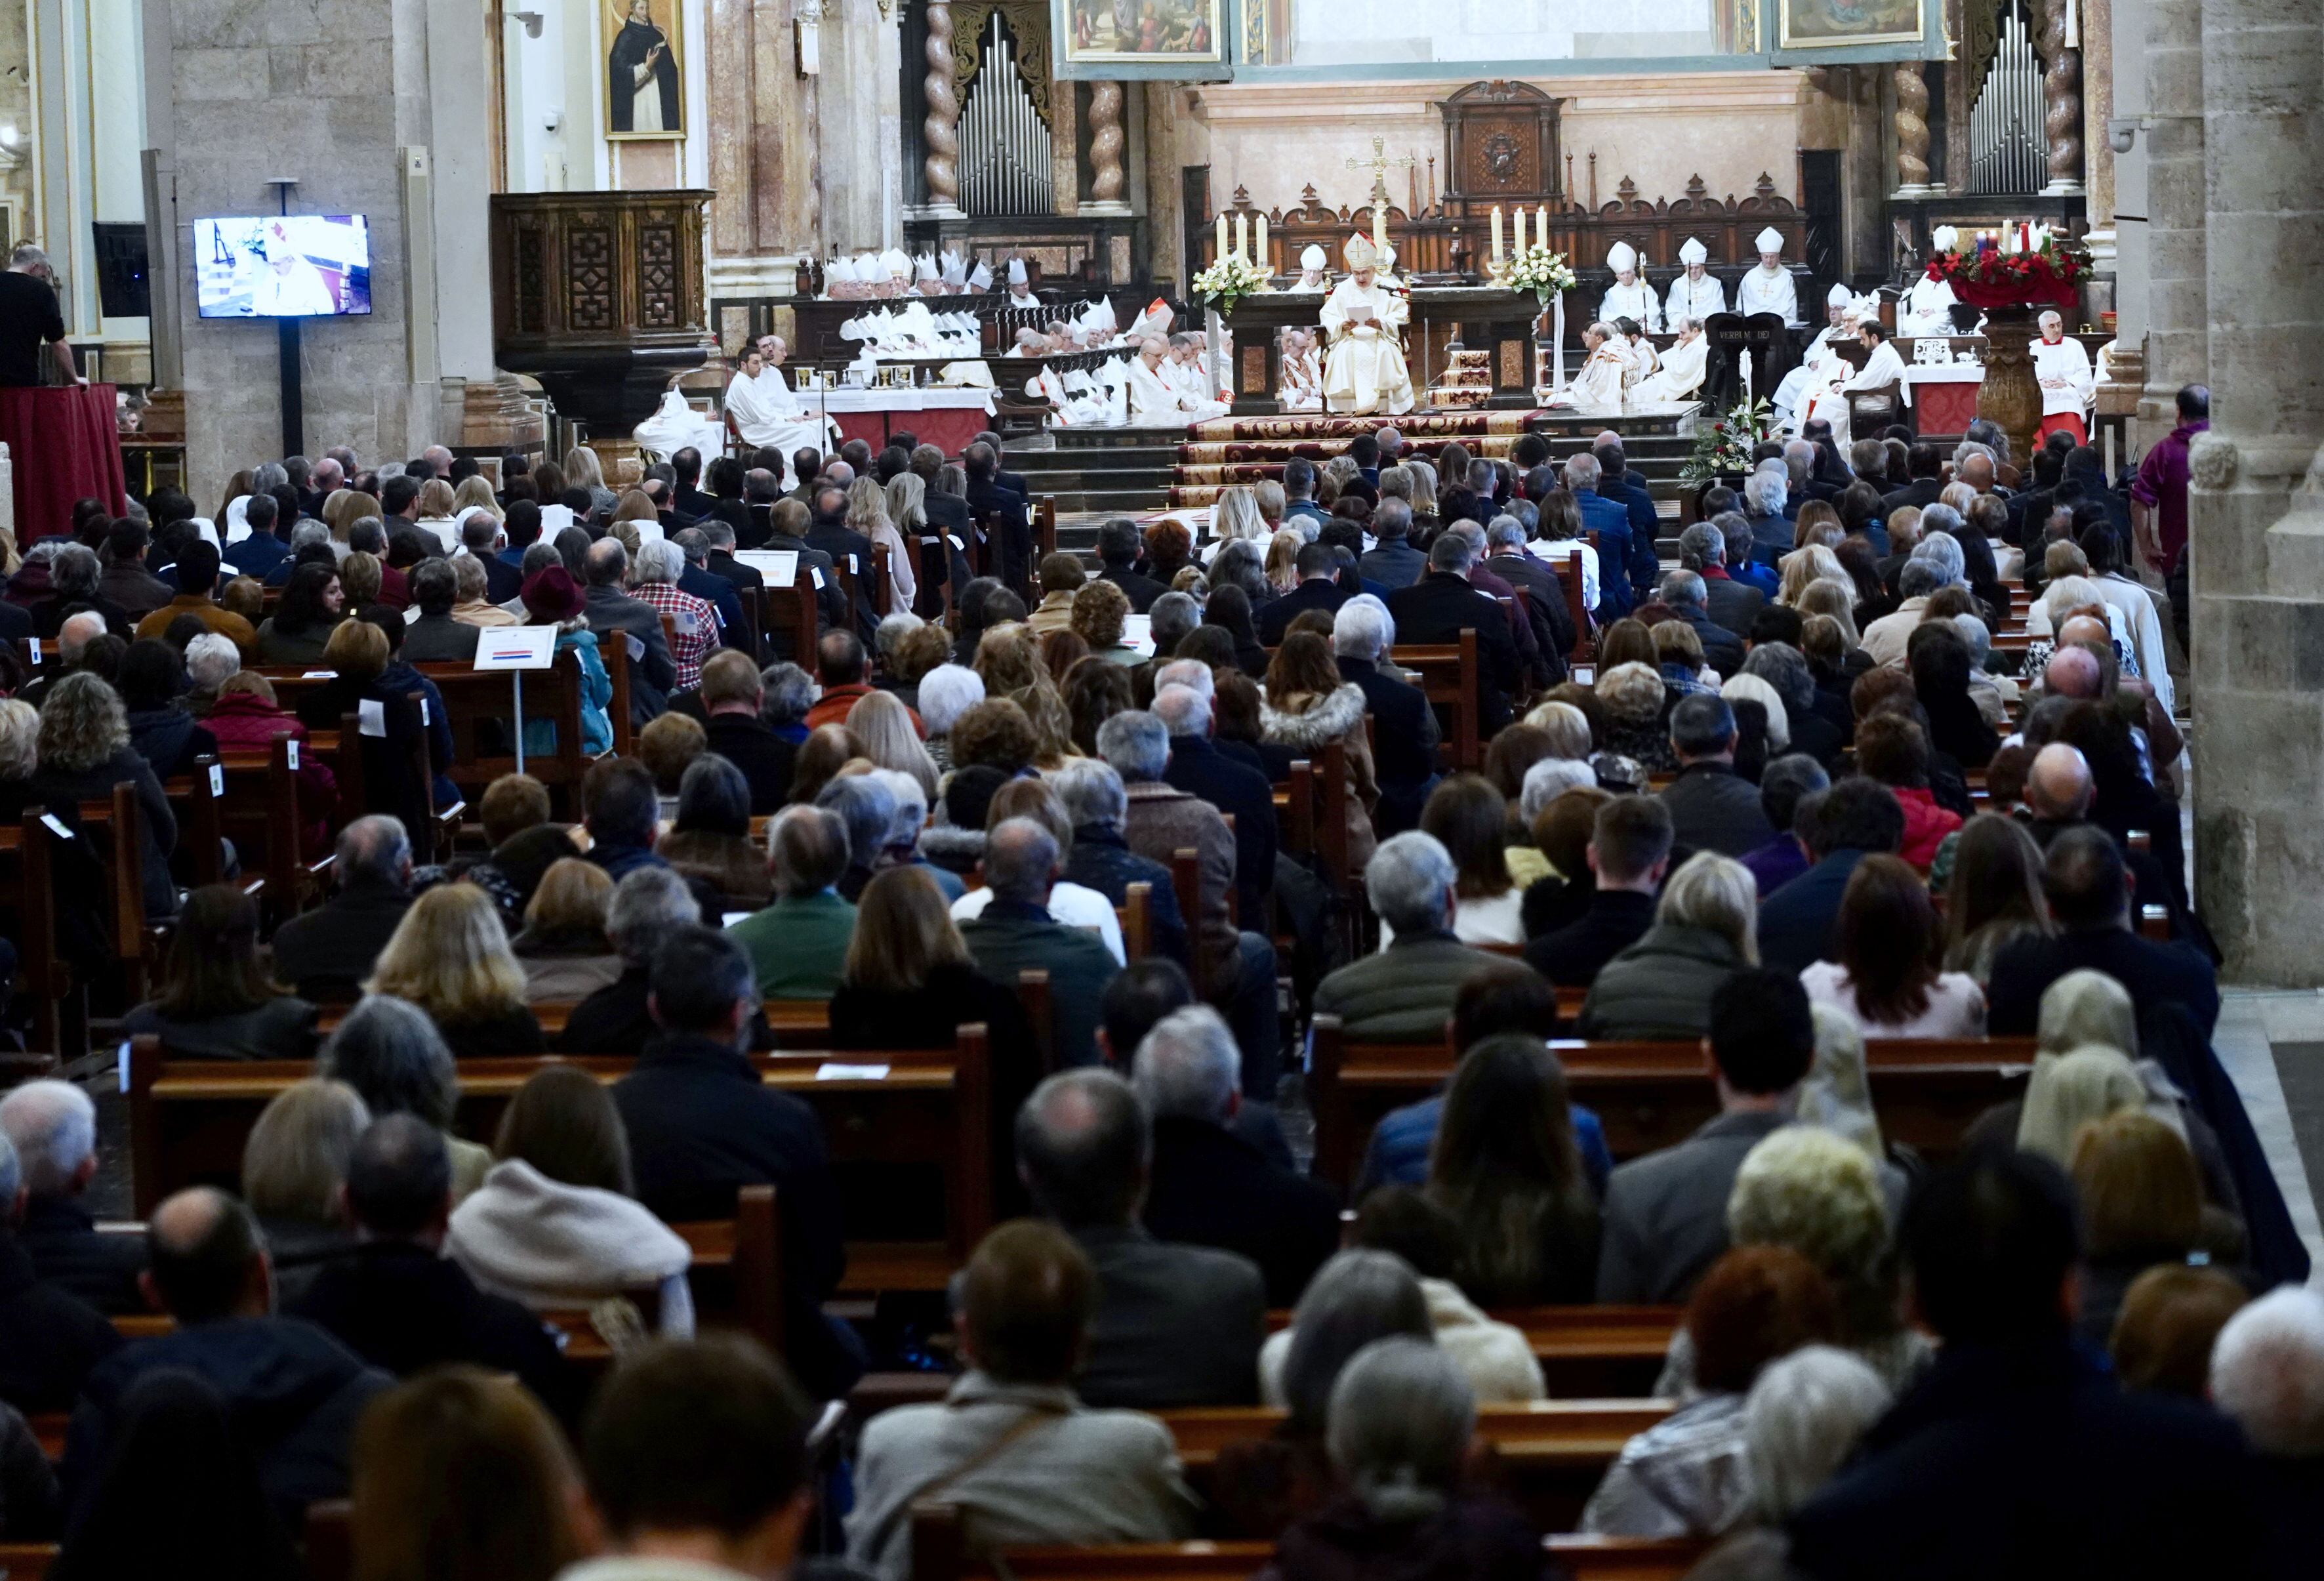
65	446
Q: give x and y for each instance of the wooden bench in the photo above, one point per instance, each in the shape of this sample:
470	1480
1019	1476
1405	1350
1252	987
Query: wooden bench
1448	675
879	1111
940	1553
28	891
1651	1096
253	799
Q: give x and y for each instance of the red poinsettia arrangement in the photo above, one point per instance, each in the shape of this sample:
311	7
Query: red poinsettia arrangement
2024	269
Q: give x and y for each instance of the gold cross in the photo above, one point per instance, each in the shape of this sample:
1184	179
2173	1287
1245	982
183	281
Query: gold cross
1379	164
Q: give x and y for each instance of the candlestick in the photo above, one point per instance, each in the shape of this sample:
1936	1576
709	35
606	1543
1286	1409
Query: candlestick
1223	238
1260	253
1497	235
1540	226
1379	231
1243	235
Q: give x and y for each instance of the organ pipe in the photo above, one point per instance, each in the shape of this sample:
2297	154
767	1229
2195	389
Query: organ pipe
2008	151
1005	145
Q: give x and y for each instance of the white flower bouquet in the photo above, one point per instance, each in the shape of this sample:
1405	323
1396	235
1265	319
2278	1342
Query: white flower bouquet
1537	270
1229	281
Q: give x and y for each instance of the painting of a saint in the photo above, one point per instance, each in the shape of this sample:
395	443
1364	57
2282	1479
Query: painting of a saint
1807	24
642	69
1159	31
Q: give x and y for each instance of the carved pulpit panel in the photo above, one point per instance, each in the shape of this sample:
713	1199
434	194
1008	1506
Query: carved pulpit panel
1500	144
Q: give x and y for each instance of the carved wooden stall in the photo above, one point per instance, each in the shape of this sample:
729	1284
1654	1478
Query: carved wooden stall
599	295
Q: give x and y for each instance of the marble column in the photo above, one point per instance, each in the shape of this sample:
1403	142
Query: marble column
2256	518
2178	347
862	127
763	114
941	129
2062	102
2098	109
1911	88
1109	180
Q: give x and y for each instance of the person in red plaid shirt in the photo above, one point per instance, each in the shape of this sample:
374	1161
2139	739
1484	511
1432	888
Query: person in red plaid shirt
660	563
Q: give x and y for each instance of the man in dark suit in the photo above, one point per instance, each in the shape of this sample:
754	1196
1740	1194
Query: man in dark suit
2018	1455
1365	452
732	694
1405	730
699	580
1617	482
1629	852
827	531
1626	566
49	1338
1545	591
702	1125
1210	1186
260	549
1731	604
521	528
326	953
1017	933
806	465
52	1132
721	562
1441	606
1856	817
1924	480
1392	561
1666	1214
1200	768
1711	806
482	537
1002	511
687	501
786	526
436	638
1318	567
2088	887
1119	546
1688	596
1176	1326
613	613
1014	482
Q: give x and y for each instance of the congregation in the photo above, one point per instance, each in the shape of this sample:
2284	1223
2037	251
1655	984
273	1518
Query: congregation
1882	772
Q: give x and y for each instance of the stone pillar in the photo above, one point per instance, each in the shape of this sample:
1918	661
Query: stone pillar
1910	86
2178	347
2098	109
762	112
1109	180
941	129
861	128
2257	508
2062	102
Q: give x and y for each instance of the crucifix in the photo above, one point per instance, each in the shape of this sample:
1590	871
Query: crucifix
1380	165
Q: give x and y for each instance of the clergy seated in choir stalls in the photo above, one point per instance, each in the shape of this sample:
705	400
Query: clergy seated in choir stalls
1768	288
1599	389
1159	391
1366	372
764	414
1630	296
1696	293
1679	376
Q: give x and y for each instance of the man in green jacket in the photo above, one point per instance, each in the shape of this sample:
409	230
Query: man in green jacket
798	945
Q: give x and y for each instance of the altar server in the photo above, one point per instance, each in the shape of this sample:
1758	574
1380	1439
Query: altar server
1366	372
1628	297
1693	294
1313	276
1768	288
1153	399
674	426
1597	389
2063	367
1683	366
763	409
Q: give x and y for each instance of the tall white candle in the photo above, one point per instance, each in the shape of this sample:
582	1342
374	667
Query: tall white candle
1497	233
1243	235
1541	228
1221	252
1259	256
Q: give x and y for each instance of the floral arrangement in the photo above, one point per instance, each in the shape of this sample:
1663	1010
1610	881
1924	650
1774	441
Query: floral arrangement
1723	449
1537	270
1230	280
2020	267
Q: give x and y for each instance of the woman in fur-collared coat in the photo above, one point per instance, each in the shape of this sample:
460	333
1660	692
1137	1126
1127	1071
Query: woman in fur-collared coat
1307	707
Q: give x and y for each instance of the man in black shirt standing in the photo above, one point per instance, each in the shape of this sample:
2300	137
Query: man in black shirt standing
30	318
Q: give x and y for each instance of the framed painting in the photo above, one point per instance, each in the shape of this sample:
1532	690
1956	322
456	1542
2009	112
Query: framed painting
1831	25
643	68
1142	38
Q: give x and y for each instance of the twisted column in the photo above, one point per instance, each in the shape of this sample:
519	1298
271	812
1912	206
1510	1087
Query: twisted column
941	129
1107	177
2061	98
1912	127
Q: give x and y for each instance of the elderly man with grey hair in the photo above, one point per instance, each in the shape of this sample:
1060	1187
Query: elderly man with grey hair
73	638
1233	968
868	809
1539	622
1885	639
649	906
694	622
615	617
1995	695
1434	612
1404	993
1731	604
53	1335
41	319
1016	933
1096	805
798	942
51	1127
1404	732
1391	561
1688	595
326	954
1401	1418
1209	1187
2267	1376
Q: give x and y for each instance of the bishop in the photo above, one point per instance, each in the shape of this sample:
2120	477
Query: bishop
1628	297
1694	294
1768	288
1366	372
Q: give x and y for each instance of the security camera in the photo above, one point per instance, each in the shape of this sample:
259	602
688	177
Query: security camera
553	121
2122	134
531	19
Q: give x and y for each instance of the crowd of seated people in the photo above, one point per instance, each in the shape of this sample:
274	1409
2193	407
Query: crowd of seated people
1785	807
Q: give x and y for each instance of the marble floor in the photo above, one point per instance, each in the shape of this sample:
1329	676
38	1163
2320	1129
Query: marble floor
2272	1042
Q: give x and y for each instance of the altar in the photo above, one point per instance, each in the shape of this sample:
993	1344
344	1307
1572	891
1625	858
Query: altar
1475	318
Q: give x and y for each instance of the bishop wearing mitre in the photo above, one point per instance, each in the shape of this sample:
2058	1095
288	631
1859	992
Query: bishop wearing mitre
1768	288
1366	372
1694	294
1313	275
1628	297
1598	387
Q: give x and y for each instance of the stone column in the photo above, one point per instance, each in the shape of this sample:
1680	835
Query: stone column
2098	109
2178	345
1109	180
2061	100
941	129
1910	86
862	126
2257	546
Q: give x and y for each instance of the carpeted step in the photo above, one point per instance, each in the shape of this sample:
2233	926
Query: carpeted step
1413	425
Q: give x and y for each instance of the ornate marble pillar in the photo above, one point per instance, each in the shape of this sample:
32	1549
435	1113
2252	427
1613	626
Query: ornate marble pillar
764	112
2098	109
941	129
2178	344
2061	100
2256	509
1911	88
1109	178
862	127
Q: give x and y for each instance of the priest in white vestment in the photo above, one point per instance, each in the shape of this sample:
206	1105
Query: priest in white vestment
761	409
1155	400
1694	294
1313	275
1882	368
1597	389
1365	373
1768	288
1302	387
1628	297
2062	365
1927	308
1683	366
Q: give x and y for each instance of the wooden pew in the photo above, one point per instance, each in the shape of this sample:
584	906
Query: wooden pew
28	891
1585	1352
1448	674
1650	1095
797	1023
940	1553
880	1111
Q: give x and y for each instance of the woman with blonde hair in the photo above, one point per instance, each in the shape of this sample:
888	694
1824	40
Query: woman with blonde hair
1283	561
908	496
361	576
344	509
1424	491
1706	929
866	513
1566	728
2142	1202
1235	519
883	725
475	493
1044	707
1834	601
563	948
437	509
1268	495
294	1163
1813	563
1009	659
1307	708
1678	654
451	957
1101	615
582	471
1636	698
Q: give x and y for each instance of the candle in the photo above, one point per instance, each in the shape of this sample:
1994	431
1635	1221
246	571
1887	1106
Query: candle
1497	235
1222	253
1541	228
1260	254
1243	235
1379	231
2109	457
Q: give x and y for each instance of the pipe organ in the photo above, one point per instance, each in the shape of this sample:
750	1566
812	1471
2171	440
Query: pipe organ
1004	141
2008	149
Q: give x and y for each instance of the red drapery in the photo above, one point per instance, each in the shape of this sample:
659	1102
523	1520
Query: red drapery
63	445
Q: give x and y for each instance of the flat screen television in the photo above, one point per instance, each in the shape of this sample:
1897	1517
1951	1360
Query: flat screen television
282	266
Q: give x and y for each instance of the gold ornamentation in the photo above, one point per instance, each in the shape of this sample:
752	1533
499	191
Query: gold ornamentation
1030	21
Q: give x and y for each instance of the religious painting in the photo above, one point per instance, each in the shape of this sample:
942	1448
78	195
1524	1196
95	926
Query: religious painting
642	68
1818	24
1152	33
